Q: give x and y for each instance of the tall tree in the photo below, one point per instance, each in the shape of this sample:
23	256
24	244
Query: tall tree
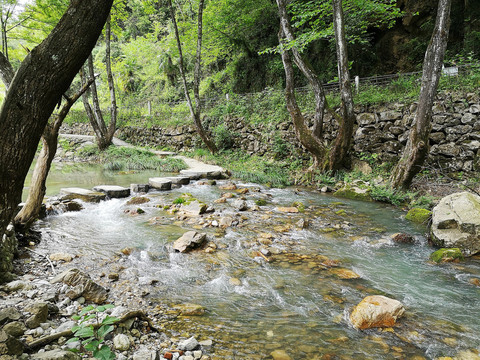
42	78
325	157
417	148
103	133
195	111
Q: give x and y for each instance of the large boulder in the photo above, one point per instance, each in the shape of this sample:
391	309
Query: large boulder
82	194
376	311
113	191
82	286
456	223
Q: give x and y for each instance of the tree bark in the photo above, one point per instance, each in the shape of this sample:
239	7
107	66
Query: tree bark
417	148
112	126
195	112
29	212
6	71
44	75
339	154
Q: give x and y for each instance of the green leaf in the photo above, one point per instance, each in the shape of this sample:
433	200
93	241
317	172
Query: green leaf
104	353
92	346
109	320
87	309
72	340
84	332
104	330
89	317
76	317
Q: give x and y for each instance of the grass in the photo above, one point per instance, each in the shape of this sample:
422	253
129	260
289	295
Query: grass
124	158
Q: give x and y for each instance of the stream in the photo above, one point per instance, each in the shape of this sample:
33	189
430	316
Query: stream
293	302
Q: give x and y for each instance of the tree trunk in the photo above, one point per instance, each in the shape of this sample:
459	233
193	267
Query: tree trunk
417	148
44	75
112	126
313	144
339	154
6	71
194	112
29	212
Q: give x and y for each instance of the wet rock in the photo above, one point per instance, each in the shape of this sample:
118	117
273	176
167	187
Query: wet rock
225	222
447	255
280	355
161	184
402	238
56	355
220	201
194	208
189	241
291	209
189	344
9	345
344	273
240	205
121	342
82	194
228	186
84	286
354	193
235	282
113	191
17	285
61	257
376	311
71	206
9	314
179	180
139	188
190	309
418	215
456	223
15	329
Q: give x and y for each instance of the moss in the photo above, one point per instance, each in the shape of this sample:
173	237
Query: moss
354	193
418	215
299	206
341	212
261	202
447	255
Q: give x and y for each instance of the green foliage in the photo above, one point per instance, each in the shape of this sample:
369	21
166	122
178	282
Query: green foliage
92	334
391	196
447	255
224	138
418	215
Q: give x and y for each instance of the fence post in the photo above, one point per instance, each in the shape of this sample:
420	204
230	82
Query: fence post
357	84
149	106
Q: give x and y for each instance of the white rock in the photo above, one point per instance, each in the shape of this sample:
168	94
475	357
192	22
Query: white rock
121	342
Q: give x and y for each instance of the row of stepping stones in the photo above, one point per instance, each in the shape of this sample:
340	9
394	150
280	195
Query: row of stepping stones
102	192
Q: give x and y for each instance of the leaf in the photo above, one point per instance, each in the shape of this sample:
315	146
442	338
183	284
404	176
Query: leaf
89	317
72	340
102	308
104	353
85	332
104	330
109	320
92	345
76	317
86	309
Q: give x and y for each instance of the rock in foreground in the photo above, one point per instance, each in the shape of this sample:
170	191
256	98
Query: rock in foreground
376	311
456	223
189	241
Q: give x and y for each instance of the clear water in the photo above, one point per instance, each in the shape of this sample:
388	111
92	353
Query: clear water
289	305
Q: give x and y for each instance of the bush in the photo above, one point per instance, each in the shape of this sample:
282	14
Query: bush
224	138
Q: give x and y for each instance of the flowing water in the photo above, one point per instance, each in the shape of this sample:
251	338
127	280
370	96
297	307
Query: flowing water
293	302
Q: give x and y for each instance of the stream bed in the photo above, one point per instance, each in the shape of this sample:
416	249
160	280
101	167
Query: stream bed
299	301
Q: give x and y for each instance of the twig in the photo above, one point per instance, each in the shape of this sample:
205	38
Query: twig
46	257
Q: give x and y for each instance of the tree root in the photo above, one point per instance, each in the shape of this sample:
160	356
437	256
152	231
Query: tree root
34	345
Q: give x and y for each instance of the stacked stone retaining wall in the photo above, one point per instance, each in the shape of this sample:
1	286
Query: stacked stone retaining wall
380	129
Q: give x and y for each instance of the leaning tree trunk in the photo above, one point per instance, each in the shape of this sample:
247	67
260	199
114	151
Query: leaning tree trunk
112	126
195	112
417	148
44	75
30	211
339	154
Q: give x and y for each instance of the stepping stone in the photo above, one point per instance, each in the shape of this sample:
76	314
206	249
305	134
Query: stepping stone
179	180
137	188
82	194
162	184
113	191
196	175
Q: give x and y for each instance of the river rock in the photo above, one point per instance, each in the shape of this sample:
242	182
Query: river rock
189	241
354	193
139	188
447	255
82	194
456	223
189	344
39	313
9	345
9	314
161	184
113	191
280	355
138	200
418	215
291	209
84	286
15	328
190	309
179	180
402	238
145	354
61	257
376	311
56	355
194	208
17	285
240	205
121	342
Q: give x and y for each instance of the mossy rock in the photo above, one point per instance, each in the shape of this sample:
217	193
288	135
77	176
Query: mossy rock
447	255
354	193
261	202
418	215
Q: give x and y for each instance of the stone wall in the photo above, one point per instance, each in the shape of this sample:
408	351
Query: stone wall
381	129
8	248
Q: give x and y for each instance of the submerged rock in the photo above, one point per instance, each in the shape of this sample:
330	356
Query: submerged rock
280	355
376	311
418	215
402	238
456	223
189	241
190	309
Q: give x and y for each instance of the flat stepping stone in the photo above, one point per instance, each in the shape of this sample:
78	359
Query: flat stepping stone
162	184
179	180
196	175
138	188
82	194
113	191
